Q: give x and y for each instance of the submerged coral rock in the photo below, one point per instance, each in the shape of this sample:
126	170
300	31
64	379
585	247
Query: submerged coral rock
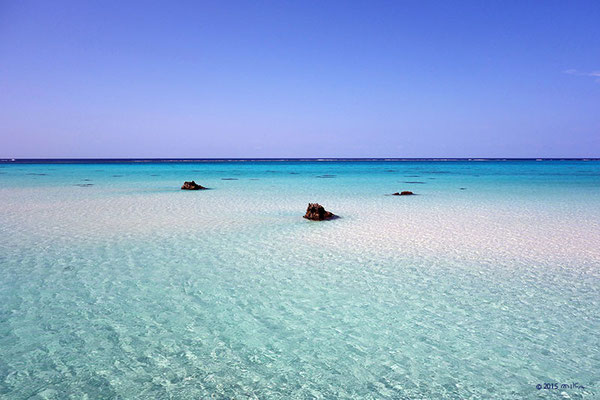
405	193
192	186
316	212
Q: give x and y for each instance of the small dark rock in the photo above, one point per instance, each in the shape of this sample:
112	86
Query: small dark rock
405	193
316	212
326	176
192	186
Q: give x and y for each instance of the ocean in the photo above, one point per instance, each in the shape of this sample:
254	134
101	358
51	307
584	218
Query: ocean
116	284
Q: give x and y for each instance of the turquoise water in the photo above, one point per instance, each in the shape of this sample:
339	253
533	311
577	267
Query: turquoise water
116	284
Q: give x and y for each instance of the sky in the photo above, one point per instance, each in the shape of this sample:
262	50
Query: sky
229	79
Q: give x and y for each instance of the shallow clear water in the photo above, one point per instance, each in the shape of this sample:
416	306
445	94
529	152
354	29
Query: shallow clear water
482	286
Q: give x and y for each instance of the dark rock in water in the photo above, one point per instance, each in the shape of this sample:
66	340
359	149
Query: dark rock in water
229	179
316	212
405	193
192	186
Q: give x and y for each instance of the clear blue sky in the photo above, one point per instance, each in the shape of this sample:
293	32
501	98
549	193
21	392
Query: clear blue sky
299	79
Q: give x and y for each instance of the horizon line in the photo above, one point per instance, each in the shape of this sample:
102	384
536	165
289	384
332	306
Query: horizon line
282	159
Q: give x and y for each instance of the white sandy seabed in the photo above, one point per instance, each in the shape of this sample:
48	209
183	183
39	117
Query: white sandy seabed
131	288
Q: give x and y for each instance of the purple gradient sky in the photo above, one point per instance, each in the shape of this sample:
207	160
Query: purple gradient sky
299	79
